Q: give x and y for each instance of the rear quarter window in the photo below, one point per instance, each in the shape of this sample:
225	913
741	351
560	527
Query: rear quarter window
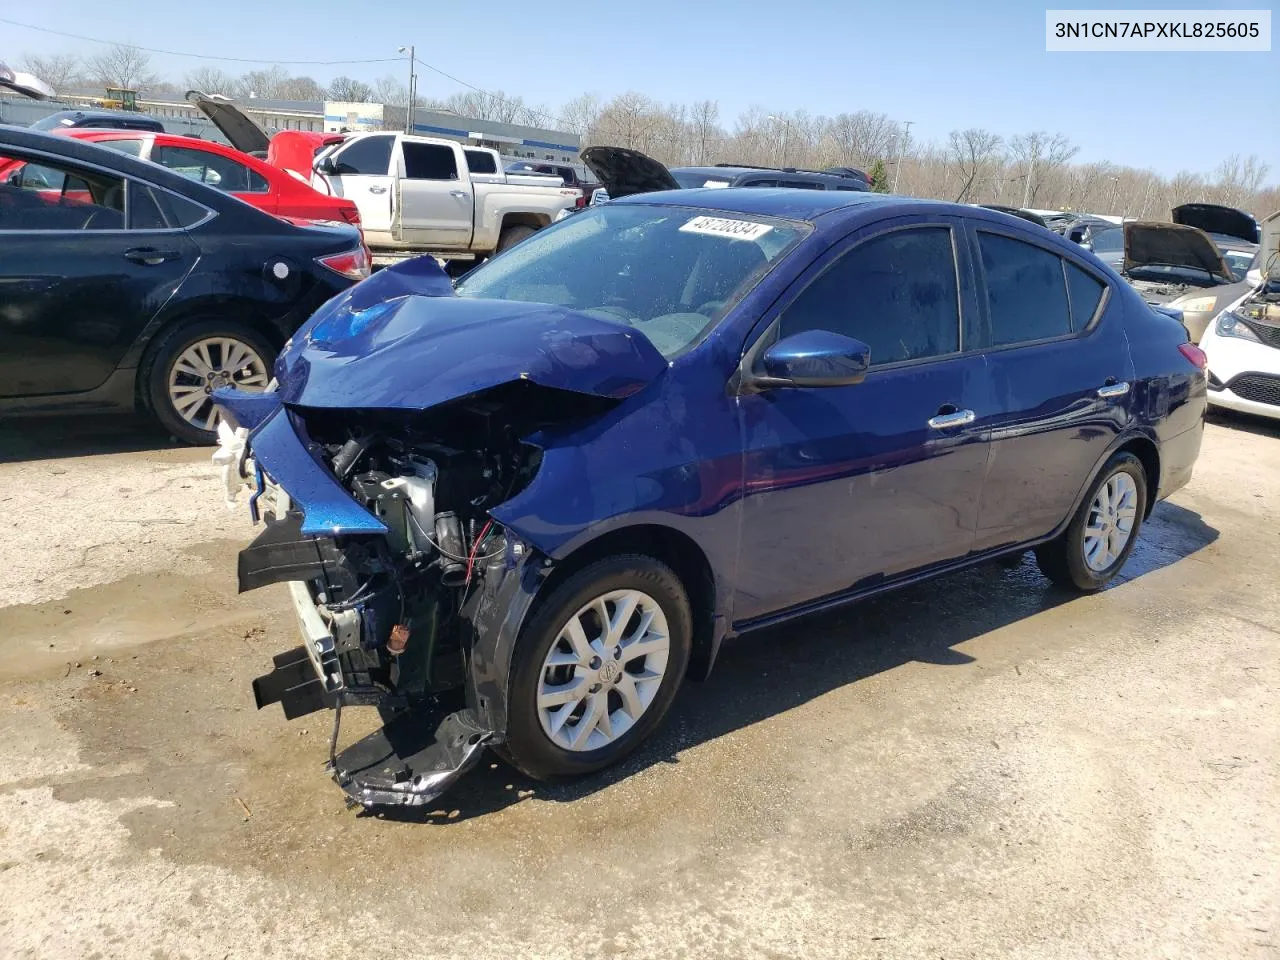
1085	293
1026	291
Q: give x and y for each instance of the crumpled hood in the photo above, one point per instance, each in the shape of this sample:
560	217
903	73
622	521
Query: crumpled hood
1215	218
1172	245
405	343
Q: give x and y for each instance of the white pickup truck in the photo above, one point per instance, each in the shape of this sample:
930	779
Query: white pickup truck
420	194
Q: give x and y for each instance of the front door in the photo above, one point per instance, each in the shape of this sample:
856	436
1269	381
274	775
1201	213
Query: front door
436	201
363	174
1059	381
76	286
848	486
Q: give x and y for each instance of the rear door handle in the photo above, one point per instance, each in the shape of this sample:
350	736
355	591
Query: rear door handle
150	256
961	418
1113	390
377	189
460	194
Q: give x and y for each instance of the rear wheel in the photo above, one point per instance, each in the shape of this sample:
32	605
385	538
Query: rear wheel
513	235
193	360
1101	535
597	667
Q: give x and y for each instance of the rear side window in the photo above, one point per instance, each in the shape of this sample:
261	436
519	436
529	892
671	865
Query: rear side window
802	184
1085	293
1026	291
132	147
897	293
429	161
179	211
480	161
759	183
203	166
143	211
368	155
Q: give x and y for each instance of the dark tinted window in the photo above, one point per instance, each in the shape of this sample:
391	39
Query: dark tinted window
53	197
368	155
179	211
1086	294
144	212
758	183
802	184
1026	292
479	161
429	161
896	293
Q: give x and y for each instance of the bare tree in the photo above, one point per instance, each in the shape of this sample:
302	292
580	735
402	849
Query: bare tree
1035	156
391	91
210	80
580	114
348	90
704	129
122	65
1239	178
858	139
973	152
61	71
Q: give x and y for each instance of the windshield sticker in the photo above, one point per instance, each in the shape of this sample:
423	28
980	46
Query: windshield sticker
716	184
733	229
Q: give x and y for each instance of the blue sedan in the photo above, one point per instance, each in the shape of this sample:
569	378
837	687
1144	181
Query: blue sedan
518	512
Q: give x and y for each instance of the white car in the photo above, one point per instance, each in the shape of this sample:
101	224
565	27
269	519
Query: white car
1243	341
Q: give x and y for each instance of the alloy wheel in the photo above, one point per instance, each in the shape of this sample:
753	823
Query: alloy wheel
206	365
1111	519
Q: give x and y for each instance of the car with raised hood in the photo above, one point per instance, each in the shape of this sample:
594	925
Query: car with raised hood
1195	265
518	512
418	194
24	83
254	181
1243	341
129	286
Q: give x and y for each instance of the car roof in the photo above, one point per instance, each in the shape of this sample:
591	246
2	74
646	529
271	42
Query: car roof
1225	241
785	202
728	173
132	115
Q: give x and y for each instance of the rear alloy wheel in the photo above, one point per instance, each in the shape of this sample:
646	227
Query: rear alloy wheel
1101	535
513	235
597	667
195	360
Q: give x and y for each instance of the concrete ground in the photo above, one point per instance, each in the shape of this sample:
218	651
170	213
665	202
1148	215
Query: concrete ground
977	767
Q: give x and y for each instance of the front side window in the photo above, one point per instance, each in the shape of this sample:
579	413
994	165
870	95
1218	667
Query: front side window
429	161
897	293
669	272
54	197
1026	291
368	155
227	175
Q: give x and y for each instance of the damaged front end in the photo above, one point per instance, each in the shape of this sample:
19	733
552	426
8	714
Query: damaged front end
376	514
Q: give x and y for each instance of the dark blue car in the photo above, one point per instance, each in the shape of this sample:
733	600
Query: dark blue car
519	512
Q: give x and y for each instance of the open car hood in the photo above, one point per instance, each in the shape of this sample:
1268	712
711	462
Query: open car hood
1152	244
241	132
624	172
402	341
1269	256
27	84
1214	218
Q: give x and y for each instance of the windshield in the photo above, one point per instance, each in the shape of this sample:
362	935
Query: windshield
1108	241
692	181
1238	261
52	122
670	272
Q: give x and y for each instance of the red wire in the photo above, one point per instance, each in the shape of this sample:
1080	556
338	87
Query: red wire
475	547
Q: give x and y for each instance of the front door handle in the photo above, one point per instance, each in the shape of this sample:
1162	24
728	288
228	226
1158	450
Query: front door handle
460	194
377	189
150	255
1113	390
960	418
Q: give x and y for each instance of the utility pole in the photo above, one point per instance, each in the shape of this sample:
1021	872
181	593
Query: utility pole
902	149
1026	189
413	89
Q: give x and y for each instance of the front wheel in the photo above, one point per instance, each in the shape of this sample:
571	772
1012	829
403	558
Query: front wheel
597	667
1101	535
194	359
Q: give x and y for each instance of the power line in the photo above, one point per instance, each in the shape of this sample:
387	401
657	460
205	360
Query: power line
194	56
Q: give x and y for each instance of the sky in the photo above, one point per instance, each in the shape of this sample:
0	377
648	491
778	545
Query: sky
942	65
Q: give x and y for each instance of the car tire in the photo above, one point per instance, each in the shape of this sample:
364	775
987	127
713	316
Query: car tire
541	754
169	374
513	235
1088	554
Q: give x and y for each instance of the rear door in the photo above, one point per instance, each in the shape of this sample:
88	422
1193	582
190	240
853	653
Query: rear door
436	204
848	486
365	175
1059	381
77	281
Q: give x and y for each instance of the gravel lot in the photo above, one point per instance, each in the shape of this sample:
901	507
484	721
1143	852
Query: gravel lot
978	767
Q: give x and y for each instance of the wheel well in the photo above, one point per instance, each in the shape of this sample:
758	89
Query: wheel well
237	312
1146	451
678	551
535	220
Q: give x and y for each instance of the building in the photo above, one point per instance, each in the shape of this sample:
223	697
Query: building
179	116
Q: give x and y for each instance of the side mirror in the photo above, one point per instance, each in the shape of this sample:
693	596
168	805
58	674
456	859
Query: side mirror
326	166
814	358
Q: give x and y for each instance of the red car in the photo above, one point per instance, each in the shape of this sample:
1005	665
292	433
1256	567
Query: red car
254	181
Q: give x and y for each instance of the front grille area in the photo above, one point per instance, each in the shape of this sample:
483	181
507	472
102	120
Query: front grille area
1258	387
1266	333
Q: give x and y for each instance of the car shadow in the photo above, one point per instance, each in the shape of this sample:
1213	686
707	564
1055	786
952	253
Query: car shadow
767	672
53	437
1244	422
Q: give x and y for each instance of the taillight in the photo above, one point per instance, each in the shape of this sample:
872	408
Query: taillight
1194	354
352	264
580	202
